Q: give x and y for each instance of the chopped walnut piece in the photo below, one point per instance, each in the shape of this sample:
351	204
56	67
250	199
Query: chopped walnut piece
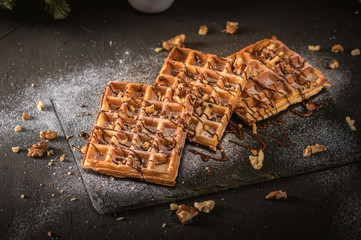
205	127
131	108
26	116
333	64
254	128
145	146
257	161
158	49
39	105
205	97
17	128
314	48
273	61
355	52
351	123
37	150
186	213
276	195
203	30
173	42
337	48
125	141
22	196
164	225
173	206
231	27
120	218
149	109
205	206
15	149
254	152
50	135
50	234
313	149
73	199
62	157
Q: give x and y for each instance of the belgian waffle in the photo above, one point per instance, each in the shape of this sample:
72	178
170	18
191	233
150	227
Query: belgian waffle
139	132
211	80
278	78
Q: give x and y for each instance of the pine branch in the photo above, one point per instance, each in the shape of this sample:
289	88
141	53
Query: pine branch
58	8
7	4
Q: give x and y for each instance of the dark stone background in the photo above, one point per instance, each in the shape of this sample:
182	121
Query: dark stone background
35	49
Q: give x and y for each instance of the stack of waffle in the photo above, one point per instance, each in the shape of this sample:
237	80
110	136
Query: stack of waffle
140	130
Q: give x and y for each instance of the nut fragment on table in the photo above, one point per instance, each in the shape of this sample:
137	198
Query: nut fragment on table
26	116
231	27
37	150
50	135
206	206
158	49
333	64
254	128
62	157
314	48
186	213
173	206
15	149
355	52
17	128
39	105
203	30
351	123
276	195
337	48
313	149
177	41
257	161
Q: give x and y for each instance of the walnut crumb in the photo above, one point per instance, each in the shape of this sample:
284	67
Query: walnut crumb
337	48
164	225
37	150
313	149
39	105
351	123
15	149
177	41
61	191
355	52
69	173
62	157
50	152
203	30
206	206
333	64
276	195
23	196
50	135
231	27
207	169
254	152
173	206
50	234
158	49
254	128
73	199
26	116
186	213
257	161
149	109
314	48
120	218
17	128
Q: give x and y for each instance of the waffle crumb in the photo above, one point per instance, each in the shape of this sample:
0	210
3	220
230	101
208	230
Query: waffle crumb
351	123
39	105
206	206
22	196
50	234
37	150
17	128
314	48
173	206
62	157
333	64
276	195
311	149
254	128
173	42
355	52
26	116
203	30
120	218
257	161
185	213
50	135
15	149
164	225
231	27
158	49
337	48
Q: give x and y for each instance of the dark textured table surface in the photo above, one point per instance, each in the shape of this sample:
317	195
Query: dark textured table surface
57	55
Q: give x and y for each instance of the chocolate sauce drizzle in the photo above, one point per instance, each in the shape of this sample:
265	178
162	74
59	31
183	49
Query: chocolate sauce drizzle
206	157
309	107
